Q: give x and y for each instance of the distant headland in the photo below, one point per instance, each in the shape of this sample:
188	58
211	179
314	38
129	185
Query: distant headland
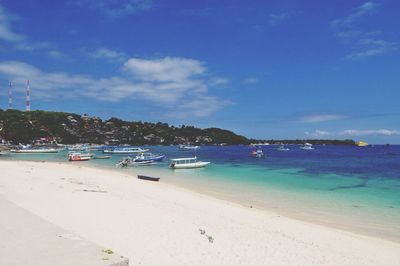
44	127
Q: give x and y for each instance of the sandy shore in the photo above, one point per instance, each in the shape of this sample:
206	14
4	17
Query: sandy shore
159	224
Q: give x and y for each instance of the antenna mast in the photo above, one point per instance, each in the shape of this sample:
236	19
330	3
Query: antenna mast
10	95
28	97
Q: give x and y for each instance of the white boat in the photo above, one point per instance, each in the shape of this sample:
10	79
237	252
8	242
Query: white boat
130	162
188	147
257	153
77	156
187	163
307	146
282	148
44	150
125	150
78	147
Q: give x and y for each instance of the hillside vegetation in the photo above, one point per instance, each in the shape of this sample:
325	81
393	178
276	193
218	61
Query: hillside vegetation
25	127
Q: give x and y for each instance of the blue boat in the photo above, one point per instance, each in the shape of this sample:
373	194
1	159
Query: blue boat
144	157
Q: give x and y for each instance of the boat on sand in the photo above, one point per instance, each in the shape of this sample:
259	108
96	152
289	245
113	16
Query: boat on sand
149	178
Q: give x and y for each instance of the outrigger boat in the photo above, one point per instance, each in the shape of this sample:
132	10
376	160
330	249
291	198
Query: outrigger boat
129	162
125	150
187	163
77	156
148	157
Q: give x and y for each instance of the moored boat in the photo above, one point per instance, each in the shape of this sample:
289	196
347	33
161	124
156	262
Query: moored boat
188	147
307	146
142	157
125	150
282	148
187	163
101	157
361	144
128	161
257	153
77	156
35	150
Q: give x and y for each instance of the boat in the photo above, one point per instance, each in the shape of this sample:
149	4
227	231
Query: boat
149	178
101	157
125	150
307	146
77	156
187	163
78	147
146	156
129	162
282	148
188	147
4	150
35	150
361	144
257	153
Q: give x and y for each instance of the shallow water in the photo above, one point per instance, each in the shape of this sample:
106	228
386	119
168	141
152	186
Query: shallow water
345	186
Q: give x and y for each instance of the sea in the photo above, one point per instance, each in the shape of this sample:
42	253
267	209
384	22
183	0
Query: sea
346	187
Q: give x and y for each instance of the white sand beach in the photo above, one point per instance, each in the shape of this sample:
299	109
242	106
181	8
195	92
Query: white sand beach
159	224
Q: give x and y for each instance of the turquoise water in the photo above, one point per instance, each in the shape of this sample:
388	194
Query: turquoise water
350	188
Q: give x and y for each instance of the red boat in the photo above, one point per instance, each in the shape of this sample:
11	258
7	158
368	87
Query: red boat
77	156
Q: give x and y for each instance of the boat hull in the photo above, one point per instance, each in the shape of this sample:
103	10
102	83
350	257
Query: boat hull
77	158
189	165
35	151
154	159
148	178
123	152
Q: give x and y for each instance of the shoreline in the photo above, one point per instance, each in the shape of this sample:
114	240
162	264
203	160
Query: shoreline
290	212
153	223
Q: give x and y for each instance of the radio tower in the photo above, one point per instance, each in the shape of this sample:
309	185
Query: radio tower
28	97
10	95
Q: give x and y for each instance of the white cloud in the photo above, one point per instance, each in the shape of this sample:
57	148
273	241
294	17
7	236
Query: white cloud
352	133
20	41
108	54
370	132
46	85
370	46
318	134
176	84
202	106
364	44
368	8
6	33
168	69
217	81
249	81
116	8
276	19
320	118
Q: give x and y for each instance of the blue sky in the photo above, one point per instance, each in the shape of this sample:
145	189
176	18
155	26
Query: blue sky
265	69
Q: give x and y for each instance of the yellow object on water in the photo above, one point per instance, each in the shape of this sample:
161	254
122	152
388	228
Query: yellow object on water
361	143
